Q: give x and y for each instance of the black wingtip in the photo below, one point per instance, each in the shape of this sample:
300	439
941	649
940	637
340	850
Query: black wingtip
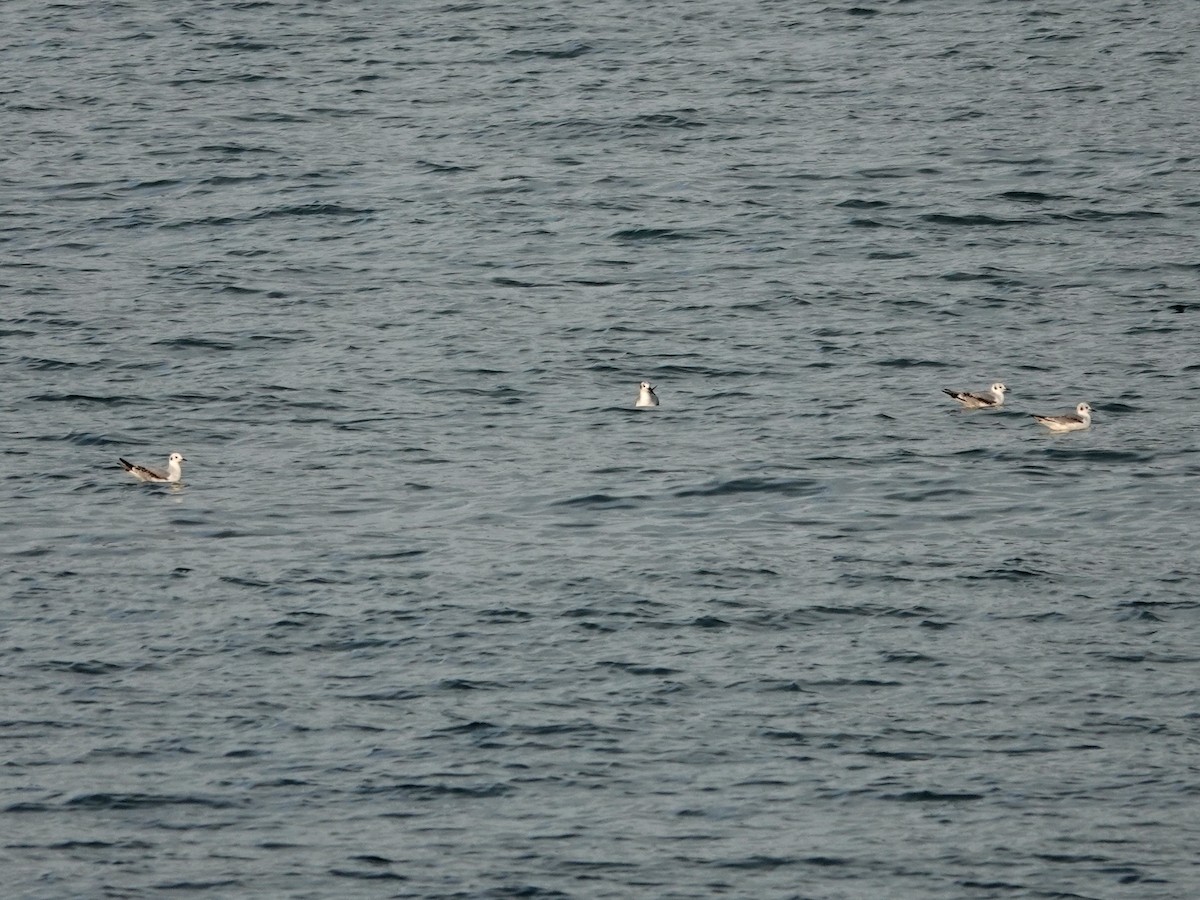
126	463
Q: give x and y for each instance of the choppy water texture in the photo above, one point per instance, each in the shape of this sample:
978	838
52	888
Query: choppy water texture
437	613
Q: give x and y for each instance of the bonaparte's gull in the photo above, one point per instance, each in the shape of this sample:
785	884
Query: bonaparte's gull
990	400
646	396
144	473
1076	421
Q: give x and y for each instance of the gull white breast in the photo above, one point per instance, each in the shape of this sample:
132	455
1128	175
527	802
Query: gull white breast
994	397
646	395
1076	421
172	475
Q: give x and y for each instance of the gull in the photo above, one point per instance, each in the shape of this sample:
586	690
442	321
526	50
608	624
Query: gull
646	396
990	400
144	473
1076	421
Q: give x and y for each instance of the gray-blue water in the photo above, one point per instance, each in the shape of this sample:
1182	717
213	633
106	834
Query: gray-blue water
436	613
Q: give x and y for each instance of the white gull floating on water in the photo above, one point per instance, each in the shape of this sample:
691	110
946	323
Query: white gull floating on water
1076	421
990	400
144	473
646	395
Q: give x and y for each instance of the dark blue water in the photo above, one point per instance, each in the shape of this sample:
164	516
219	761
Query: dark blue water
436	613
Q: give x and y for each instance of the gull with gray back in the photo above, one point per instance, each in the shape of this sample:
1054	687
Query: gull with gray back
172	475
993	398
1076	421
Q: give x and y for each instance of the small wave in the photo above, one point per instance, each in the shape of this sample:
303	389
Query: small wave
907	362
993	278
200	885
78	398
786	487
1107	215
873	223
974	221
932	797
655	235
473	727
598	501
366	875
639	669
89	439
756	862
868	609
223	180
908	657
1012	574
570	50
502	281
1031	196
42	364
420	791
1092	455
143	801
83	667
315	209
443	168
196	343
464	684
667	120
236	150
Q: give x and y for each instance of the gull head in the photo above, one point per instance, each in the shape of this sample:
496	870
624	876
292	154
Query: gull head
1084	410
176	458
646	386
998	389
